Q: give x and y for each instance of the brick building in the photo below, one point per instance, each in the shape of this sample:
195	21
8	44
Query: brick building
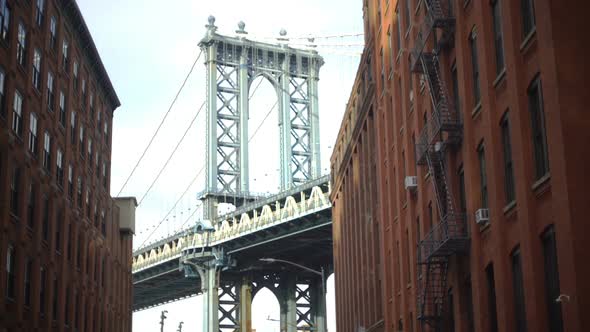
477	152
65	244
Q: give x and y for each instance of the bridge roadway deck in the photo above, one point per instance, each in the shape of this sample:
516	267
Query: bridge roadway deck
300	233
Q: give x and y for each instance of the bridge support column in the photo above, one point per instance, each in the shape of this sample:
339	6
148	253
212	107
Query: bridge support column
246	305
289	306
318	302
209	287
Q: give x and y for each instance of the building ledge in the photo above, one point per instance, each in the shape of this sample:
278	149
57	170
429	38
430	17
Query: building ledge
542	185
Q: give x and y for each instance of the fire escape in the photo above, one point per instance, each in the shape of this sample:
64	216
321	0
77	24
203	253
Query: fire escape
441	133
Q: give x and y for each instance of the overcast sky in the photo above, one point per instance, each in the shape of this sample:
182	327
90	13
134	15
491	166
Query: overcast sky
147	47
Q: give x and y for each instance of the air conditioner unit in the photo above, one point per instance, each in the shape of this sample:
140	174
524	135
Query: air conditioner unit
438	146
482	216
411	183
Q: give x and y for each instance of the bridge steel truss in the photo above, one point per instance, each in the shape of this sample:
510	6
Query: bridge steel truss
223	265
441	134
232	63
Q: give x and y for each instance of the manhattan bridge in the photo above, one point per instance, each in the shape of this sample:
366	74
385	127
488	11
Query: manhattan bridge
266	240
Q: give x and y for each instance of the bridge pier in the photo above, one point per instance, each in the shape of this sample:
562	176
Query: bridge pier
208	273
288	304
246	305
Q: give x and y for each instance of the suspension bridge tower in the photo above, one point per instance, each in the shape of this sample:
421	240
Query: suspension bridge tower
232	63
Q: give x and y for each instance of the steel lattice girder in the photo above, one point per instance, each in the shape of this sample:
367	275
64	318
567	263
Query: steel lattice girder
229	306
228	122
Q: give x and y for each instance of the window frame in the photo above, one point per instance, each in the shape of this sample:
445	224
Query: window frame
33	134
475	84
17	114
538	128
21	44
509	184
36	75
496	10
482	175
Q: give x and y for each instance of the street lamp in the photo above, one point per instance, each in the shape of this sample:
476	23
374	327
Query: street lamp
162	318
320	273
180	327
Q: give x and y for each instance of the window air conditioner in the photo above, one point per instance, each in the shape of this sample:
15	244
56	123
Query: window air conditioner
482	216
411	183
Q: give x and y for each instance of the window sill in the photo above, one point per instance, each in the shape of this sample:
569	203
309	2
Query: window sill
466	3
501	78
542	185
417	10
527	42
476	110
399	55
408	29
509	208
405	205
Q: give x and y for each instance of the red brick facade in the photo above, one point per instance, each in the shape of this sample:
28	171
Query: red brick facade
534	246
66	266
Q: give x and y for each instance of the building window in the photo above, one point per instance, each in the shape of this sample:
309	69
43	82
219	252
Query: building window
498	37
527	8
55	296
82	141
17	114
52	32
4	20
73	128
10	272
27	290
540	150
2	95
79	192
462	196
408	258
79	252
31	205
88	203
103	227
451	311
390	50
47	152
456	99
21	44
104	174
59	170
91	105
50	93
382	58
42	287
37	69
552	291
65	59
15	192
90	151
474	67
70	240
518	289
482	175
40	9
70	182
492	314
46	212
106	130
407	14
67	308
507	152
76	76
58	224
98	120
84	92
62	109
398	35
430	216
33	134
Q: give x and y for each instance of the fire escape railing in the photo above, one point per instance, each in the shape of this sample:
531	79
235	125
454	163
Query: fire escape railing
441	132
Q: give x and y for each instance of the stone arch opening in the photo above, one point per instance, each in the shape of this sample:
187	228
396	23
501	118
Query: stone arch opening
266	311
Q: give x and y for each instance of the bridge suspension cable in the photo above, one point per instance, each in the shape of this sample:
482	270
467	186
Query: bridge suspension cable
172	154
161	123
173	207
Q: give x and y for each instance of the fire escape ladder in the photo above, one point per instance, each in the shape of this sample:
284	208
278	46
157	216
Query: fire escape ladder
434	285
443	130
